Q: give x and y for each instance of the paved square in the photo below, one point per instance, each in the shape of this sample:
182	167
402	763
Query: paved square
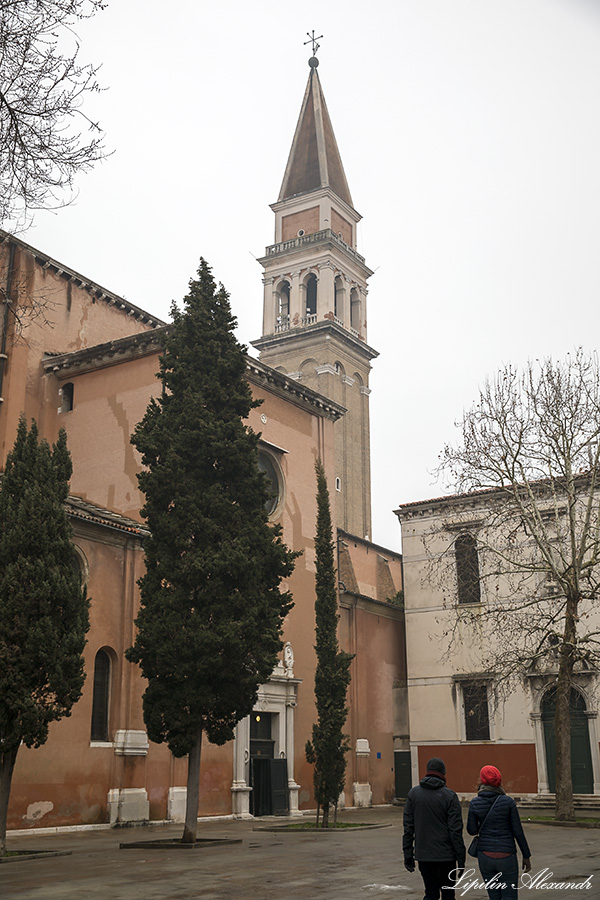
349	865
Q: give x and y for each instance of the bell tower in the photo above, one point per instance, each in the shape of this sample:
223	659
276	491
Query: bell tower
315	298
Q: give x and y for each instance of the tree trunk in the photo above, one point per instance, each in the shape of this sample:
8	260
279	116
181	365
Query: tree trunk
335	810
325	816
7	765
193	792
318	811
565	809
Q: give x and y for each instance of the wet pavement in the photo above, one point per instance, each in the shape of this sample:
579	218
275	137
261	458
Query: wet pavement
271	865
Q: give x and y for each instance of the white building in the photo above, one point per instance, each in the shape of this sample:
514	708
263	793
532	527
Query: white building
458	604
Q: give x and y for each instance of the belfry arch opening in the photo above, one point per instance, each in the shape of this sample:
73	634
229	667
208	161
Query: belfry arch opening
282	305
355	309
311	295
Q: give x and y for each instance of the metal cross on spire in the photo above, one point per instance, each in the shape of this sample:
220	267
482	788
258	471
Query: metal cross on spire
313	40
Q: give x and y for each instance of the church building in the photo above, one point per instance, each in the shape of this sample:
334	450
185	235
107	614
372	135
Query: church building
76	355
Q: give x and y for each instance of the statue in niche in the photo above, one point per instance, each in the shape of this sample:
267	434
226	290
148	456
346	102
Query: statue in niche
288	659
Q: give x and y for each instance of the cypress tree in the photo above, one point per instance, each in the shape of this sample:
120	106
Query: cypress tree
43	607
329	743
212	608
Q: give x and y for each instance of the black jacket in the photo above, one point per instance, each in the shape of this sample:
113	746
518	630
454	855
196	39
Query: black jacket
502	825
433	826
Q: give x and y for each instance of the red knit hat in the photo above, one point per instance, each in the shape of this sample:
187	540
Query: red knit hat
491	775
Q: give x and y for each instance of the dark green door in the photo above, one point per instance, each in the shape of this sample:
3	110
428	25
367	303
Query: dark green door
279	786
581	757
262	748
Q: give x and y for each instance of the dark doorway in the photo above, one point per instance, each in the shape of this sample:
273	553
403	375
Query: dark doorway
581	757
268	776
402	772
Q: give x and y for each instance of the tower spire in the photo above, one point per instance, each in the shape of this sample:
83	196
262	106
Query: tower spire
314	161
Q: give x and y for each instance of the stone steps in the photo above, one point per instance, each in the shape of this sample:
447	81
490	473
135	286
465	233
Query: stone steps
582	802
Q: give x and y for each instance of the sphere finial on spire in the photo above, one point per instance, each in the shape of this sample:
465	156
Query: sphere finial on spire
313	61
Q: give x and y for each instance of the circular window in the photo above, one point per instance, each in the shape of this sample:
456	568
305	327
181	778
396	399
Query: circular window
268	466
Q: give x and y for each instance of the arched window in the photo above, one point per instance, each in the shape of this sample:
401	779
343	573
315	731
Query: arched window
67	397
283	298
101	696
354	309
311	295
467	569
80	565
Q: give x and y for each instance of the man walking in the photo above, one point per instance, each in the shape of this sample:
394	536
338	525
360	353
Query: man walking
433	832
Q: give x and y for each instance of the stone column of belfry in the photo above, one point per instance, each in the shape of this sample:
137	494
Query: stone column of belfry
270	303
295	299
315	231
326	293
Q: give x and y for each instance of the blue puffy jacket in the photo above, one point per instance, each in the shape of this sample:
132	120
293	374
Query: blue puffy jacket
502	826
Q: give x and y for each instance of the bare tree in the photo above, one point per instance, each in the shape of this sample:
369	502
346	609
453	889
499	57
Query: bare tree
529	459
42	88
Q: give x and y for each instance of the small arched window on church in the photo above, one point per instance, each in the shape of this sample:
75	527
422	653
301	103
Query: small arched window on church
283	302
467	569
354	310
311	295
101	696
66	393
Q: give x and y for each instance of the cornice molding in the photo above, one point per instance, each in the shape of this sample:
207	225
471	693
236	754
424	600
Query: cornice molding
318	242
110	353
284	386
83	511
144	344
326	328
95	290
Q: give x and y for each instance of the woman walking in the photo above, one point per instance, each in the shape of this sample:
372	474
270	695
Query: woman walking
494	816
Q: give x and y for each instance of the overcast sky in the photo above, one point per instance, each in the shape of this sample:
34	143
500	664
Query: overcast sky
470	135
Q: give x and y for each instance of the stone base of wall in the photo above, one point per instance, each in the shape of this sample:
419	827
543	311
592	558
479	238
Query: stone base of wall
128	805
176	800
362	794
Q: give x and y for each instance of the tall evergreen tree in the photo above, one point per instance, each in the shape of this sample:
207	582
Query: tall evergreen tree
329	743
43	607
212	608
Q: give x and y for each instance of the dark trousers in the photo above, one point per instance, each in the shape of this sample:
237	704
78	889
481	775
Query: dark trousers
436	875
505	873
